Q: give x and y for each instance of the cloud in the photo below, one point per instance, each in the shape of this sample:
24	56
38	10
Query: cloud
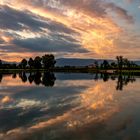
21	20
97	8
82	26
122	13
49	45
53	36
129	1
18	20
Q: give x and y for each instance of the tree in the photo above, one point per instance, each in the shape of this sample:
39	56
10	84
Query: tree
0	63
113	65
105	64
124	63
120	62
96	64
23	63
48	61
37	62
31	63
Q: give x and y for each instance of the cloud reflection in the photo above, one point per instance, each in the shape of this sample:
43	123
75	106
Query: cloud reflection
63	109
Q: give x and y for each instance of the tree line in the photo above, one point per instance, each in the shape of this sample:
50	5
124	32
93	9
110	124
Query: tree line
120	63
46	61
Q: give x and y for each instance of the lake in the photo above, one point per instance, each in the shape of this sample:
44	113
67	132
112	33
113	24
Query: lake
69	106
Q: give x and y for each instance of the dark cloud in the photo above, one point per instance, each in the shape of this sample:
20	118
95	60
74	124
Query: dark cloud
10	48
60	37
18	20
50	45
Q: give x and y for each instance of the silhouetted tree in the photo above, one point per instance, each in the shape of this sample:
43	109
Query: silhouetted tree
37	62
48	61
113	65
126	63
0	63
96	64
14	66
120	62
105	64
31	63
23	63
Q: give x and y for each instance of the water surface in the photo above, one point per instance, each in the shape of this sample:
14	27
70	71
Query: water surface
66	106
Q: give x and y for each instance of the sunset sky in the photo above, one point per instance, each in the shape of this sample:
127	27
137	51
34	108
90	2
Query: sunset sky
69	28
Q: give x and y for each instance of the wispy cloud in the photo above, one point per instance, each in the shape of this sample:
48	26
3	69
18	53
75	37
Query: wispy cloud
78	26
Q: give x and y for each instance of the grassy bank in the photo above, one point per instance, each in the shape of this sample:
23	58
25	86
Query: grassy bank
73	70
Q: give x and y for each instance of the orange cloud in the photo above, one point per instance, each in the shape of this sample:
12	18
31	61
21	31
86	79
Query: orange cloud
96	30
6	99
96	33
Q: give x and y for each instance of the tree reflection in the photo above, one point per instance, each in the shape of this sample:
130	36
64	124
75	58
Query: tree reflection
96	77
23	76
14	76
48	78
31	78
122	80
1	76
105	77
37	78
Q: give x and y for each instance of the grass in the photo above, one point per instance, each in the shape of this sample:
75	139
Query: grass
73	70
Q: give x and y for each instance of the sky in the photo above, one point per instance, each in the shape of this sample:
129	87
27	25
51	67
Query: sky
69	28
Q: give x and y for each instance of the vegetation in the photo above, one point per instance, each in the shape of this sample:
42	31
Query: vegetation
44	62
47	62
120	64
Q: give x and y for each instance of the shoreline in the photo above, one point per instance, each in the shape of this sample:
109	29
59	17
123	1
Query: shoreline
73	70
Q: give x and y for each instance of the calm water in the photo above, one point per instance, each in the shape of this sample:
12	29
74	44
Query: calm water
69	107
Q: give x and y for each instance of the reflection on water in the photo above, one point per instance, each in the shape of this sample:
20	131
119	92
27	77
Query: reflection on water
48	79
42	106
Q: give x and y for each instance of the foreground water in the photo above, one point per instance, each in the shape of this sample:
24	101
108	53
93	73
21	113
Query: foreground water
60	106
